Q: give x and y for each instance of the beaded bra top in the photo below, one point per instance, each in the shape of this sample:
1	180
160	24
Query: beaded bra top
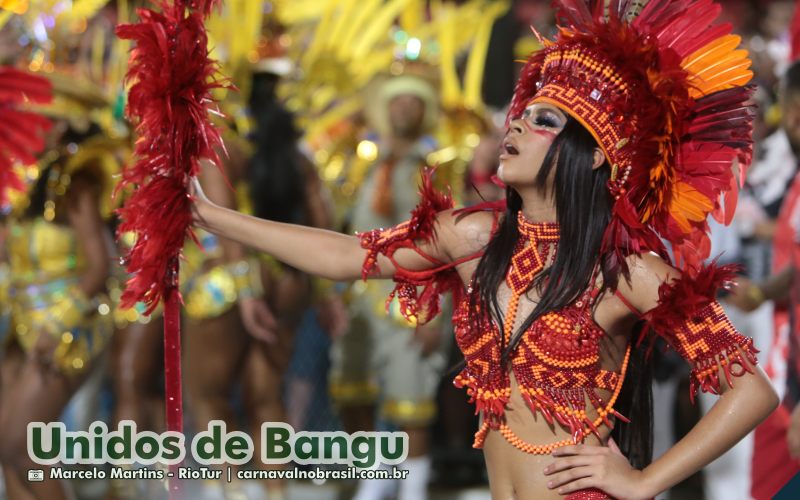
557	362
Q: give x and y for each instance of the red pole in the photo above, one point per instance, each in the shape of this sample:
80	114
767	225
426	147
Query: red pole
172	367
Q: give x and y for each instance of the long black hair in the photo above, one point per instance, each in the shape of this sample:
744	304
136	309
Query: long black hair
583	207
274	173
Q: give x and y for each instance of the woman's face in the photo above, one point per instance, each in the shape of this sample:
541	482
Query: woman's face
527	142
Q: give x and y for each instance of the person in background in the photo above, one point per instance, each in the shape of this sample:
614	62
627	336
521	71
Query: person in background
382	360
276	181
59	253
777	440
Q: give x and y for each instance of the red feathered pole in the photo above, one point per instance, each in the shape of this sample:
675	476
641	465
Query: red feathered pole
21	132
169	101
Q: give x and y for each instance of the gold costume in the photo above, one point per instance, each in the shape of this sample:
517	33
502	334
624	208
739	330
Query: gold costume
46	263
211	287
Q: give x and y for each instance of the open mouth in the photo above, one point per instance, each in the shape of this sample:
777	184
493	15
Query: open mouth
509	149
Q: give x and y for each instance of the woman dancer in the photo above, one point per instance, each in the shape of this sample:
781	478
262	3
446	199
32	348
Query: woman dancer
283	186
622	130
59	260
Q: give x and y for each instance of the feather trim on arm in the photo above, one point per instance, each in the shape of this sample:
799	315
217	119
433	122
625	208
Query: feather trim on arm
692	321
419	292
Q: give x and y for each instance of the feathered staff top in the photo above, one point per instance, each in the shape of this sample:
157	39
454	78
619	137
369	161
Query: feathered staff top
170	102
21	132
662	88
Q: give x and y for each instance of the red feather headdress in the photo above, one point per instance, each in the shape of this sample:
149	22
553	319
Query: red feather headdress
21	132
662	88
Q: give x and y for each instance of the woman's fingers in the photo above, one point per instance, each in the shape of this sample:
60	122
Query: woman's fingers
576	466
587	466
266	317
258	319
198	197
195	189
568	476
577	485
570	462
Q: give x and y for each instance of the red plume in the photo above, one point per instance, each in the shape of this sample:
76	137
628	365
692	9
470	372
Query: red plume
21	132
170	101
795	32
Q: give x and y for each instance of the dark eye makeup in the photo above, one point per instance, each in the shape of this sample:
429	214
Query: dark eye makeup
547	120
542	117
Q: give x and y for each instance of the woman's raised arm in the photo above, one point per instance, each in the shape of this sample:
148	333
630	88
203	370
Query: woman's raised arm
320	252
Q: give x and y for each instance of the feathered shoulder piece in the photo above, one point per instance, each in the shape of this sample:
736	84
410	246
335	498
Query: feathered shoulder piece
683	297
419	292
21	131
419	227
662	88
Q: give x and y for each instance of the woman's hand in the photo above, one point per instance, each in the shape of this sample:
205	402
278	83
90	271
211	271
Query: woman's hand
587	466
199	201
258	319
745	296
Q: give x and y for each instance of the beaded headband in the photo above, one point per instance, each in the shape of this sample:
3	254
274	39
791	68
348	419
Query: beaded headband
662	88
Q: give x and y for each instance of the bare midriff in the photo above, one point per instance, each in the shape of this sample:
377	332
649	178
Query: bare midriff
514	474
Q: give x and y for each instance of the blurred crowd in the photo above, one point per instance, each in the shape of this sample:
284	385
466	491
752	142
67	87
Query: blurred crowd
339	105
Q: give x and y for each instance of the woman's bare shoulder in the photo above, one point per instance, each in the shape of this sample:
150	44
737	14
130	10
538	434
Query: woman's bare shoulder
466	233
648	271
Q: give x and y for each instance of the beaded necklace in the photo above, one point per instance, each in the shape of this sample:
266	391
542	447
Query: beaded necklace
528	260
530	256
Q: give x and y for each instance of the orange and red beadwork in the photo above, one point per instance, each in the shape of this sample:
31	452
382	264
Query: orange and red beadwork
556	363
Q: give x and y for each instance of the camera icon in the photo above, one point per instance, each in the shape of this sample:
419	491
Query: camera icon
35	475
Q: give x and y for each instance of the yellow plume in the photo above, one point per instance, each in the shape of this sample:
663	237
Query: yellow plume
717	66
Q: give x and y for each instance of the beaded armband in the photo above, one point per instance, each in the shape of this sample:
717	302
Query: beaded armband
712	345
418	292
694	324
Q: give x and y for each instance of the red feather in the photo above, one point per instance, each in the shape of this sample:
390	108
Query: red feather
659	13
682	297
21	132
419	227
794	33
575	12
690	45
170	101
684	28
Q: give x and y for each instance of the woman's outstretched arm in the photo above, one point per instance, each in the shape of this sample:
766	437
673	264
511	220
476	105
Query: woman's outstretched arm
320	252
